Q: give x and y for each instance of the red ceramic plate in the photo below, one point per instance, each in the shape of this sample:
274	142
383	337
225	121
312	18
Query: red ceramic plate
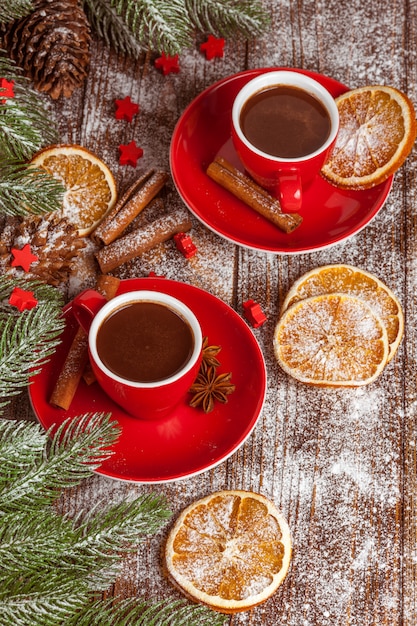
330	215
188	441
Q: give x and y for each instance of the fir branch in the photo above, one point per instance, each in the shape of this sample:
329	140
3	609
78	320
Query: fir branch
30	544
49	562
121	523
28	338
25	124
79	446
159	23
25	127
24	602
44	293
19	446
112	28
15	9
39	550
130	26
131	611
224	17
26	190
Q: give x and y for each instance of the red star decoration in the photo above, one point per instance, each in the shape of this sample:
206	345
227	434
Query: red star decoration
213	47
22	299
23	258
126	109
129	154
167	64
6	89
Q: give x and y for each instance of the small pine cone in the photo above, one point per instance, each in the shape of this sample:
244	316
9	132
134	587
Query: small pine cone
53	239
51	45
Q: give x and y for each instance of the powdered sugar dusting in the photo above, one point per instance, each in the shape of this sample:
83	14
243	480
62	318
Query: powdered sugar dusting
231	547
339	463
331	339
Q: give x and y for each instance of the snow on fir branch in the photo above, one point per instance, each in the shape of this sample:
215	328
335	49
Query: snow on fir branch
132	26
133	612
25	127
53	565
26	190
25	124
27	338
225	17
35	471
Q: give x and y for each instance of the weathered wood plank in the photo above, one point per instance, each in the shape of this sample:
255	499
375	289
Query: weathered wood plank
341	464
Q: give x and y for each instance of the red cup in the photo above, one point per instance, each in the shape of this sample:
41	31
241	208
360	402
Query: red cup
285	178
145	400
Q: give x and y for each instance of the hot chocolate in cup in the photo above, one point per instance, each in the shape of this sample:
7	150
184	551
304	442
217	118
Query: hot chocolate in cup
284	125
145	348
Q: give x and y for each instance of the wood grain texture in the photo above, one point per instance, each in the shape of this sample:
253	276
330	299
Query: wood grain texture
340	464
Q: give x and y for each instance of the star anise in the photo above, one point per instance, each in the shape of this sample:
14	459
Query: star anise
209	356
209	387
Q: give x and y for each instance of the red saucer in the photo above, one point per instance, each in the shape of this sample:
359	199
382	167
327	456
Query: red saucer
188	441
331	215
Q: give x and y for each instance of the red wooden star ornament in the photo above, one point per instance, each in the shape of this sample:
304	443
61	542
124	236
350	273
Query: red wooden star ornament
23	257
129	154
126	109
6	89
167	64
213	47
22	299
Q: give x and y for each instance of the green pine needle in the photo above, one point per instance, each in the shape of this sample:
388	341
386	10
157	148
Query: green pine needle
25	124
21	531
45	548
112	28
131	26
79	446
224	17
133	612
15	9
24	603
124	520
25	128
27	338
26	190
52	564
89	555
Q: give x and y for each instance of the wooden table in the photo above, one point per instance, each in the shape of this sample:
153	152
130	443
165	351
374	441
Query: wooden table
341	464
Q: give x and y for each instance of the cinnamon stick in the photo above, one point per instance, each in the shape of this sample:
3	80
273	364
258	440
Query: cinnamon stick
252	194
129	206
107	285
76	360
71	372
142	239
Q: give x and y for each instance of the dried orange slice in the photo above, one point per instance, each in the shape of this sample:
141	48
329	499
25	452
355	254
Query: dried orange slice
355	282
331	340
90	185
377	131
230	550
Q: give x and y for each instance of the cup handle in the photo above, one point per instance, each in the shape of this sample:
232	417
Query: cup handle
86	305
289	190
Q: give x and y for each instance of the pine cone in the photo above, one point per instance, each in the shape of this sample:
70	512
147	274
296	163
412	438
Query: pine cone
51	45
52	239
